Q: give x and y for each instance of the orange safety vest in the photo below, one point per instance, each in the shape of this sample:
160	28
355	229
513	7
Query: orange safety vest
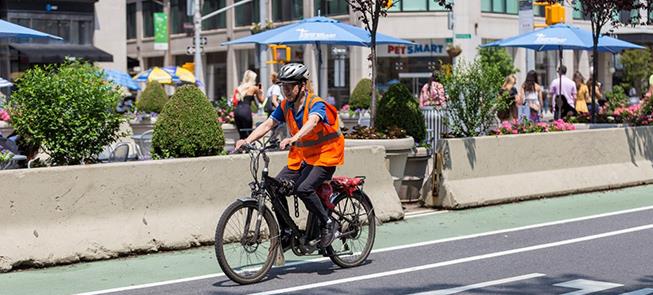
323	146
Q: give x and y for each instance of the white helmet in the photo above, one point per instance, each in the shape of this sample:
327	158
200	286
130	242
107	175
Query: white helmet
293	73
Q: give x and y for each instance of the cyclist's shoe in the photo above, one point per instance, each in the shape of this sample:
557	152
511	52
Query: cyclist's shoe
329	233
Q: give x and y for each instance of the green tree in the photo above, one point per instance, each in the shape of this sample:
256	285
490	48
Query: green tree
497	57
638	65
187	127
152	99
68	109
474	96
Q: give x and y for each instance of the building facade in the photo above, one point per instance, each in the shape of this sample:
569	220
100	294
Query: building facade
475	22
73	20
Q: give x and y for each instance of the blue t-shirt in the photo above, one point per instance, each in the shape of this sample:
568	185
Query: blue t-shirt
319	108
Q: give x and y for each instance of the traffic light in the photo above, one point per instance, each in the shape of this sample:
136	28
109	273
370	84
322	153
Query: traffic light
553	13
388	4
280	54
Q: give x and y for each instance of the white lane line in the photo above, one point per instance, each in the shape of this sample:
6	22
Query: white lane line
388	248
458	261
481	285
645	291
514	229
587	286
424	213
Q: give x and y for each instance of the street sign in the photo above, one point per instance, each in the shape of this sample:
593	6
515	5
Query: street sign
190	50
448	40
463	36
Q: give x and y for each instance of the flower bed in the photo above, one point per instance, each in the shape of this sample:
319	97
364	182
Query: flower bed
516	127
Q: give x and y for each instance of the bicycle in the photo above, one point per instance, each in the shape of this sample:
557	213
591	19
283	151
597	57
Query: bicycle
247	238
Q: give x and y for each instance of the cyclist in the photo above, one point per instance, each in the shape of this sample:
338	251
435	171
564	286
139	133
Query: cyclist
316	143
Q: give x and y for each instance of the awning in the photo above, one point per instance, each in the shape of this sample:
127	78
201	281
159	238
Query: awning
56	53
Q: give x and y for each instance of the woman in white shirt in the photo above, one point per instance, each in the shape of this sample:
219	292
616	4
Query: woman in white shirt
273	96
530	97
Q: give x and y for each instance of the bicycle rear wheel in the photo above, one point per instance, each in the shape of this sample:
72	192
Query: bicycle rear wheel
243	257
358	229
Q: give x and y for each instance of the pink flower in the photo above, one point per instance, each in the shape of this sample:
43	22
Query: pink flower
515	132
506	124
4	116
345	108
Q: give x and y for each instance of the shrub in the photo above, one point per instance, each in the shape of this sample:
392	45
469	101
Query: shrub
617	98
152	99
68	109
638	64
361	97
398	108
187	127
474	96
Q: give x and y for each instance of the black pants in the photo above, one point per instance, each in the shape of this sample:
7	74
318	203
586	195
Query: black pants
307	179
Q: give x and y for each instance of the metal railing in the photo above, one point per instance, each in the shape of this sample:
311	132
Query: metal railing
435	126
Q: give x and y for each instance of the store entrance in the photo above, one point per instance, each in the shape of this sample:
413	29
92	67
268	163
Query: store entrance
414	81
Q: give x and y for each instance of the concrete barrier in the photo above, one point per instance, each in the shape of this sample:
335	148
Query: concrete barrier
487	170
69	214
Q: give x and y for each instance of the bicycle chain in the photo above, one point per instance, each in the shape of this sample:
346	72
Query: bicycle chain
296	207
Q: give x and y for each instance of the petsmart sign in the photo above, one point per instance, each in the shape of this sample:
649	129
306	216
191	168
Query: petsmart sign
432	47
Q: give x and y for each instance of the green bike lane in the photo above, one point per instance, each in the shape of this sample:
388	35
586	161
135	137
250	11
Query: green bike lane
166	266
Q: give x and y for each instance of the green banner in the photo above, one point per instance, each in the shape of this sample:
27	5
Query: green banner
160	31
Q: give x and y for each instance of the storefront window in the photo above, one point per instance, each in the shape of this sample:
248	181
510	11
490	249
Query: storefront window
179	16
247	14
500	6
215	22
331	7
149	8
285	10
417	5
131	21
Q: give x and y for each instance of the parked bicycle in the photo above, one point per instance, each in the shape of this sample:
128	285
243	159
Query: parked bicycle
248	238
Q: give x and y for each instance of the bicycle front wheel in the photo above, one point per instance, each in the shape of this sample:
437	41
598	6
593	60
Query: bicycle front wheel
244	250
357	227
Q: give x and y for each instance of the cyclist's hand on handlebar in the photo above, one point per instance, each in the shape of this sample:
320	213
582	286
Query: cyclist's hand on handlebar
239	145
287	142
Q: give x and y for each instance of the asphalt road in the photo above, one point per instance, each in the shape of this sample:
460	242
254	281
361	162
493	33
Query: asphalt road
598	243
611	253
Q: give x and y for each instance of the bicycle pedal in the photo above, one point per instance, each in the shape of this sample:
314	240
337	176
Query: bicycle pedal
313	243
280	260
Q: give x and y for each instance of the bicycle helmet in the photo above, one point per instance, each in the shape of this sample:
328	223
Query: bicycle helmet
293	73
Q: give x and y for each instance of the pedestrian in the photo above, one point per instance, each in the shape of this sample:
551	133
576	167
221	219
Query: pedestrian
432	93
247	93
530	97
599	99
563	94
509	88
582	94
273	96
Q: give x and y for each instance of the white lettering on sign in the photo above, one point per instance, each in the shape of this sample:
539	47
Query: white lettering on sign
419	49
307	35
543	39
587	286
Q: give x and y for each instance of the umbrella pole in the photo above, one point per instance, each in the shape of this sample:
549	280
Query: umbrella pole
319	69
560	108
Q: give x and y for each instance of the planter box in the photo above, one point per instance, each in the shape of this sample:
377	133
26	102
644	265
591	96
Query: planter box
414	174
230	136
396	151
496	169
586	126
5	129
140	126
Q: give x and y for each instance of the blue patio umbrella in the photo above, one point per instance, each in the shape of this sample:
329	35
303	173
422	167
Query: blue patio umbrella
11	30
319	31
563	37
122	79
